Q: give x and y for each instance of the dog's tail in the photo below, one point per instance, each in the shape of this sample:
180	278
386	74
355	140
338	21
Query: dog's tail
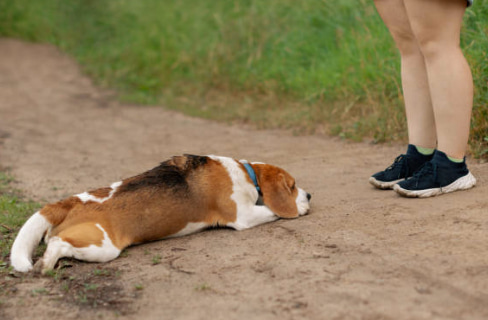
32	231
27	240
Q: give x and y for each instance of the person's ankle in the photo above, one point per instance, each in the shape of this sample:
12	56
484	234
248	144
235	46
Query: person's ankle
456	158
425	151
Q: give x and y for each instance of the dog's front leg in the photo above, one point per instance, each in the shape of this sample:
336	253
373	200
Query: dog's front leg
251	216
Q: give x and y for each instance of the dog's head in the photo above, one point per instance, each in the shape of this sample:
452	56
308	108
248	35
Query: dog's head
280	192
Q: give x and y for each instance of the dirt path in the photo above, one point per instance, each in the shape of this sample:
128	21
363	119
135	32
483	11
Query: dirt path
360	253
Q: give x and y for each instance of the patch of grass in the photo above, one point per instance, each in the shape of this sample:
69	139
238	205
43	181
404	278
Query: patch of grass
90	286
102	272
39	291
52	273
84	287
203	287
308	64
14	211
156	259
138	286
124	253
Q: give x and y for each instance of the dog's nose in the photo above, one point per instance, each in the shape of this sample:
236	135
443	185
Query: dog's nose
309	196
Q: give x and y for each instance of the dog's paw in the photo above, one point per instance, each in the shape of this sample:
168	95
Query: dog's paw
39	267
23	265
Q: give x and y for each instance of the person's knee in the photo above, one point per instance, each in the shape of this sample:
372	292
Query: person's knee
435	41
432	47
405	41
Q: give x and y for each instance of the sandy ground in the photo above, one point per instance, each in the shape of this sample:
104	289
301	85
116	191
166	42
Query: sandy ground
361	253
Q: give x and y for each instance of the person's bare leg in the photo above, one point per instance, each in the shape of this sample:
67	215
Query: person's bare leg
436	25
418	105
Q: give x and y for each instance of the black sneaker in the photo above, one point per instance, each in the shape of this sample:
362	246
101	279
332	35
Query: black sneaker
402	168
438	176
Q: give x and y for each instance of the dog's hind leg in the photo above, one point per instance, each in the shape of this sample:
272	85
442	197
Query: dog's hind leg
56	249
87	242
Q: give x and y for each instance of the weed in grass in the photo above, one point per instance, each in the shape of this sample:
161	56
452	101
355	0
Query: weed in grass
65	287
56	274
156	259
5	180
82	298
39	291
202	287
138	287
90	286
102	272
50	273
124	253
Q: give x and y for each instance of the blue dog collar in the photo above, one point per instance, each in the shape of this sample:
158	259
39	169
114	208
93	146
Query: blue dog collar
252	175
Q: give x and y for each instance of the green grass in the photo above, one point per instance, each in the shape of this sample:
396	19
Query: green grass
305	64
14	211
156	259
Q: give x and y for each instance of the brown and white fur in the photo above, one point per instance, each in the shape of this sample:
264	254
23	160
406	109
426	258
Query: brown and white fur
183	195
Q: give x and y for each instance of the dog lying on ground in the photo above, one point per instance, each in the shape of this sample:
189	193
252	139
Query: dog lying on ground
181	196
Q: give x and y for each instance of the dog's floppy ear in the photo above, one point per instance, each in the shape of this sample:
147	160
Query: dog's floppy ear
179	161
188	161
277	195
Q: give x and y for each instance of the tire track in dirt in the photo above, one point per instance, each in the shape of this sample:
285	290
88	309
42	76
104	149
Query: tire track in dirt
360	254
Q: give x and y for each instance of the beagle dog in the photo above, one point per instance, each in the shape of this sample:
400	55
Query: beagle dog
181	196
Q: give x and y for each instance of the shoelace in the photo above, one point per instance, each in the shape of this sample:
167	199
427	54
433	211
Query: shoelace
429	168
402	161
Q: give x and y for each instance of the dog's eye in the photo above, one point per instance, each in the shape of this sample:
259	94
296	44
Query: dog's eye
293	186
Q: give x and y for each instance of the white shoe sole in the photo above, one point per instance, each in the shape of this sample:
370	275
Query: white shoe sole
383	184
466	182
